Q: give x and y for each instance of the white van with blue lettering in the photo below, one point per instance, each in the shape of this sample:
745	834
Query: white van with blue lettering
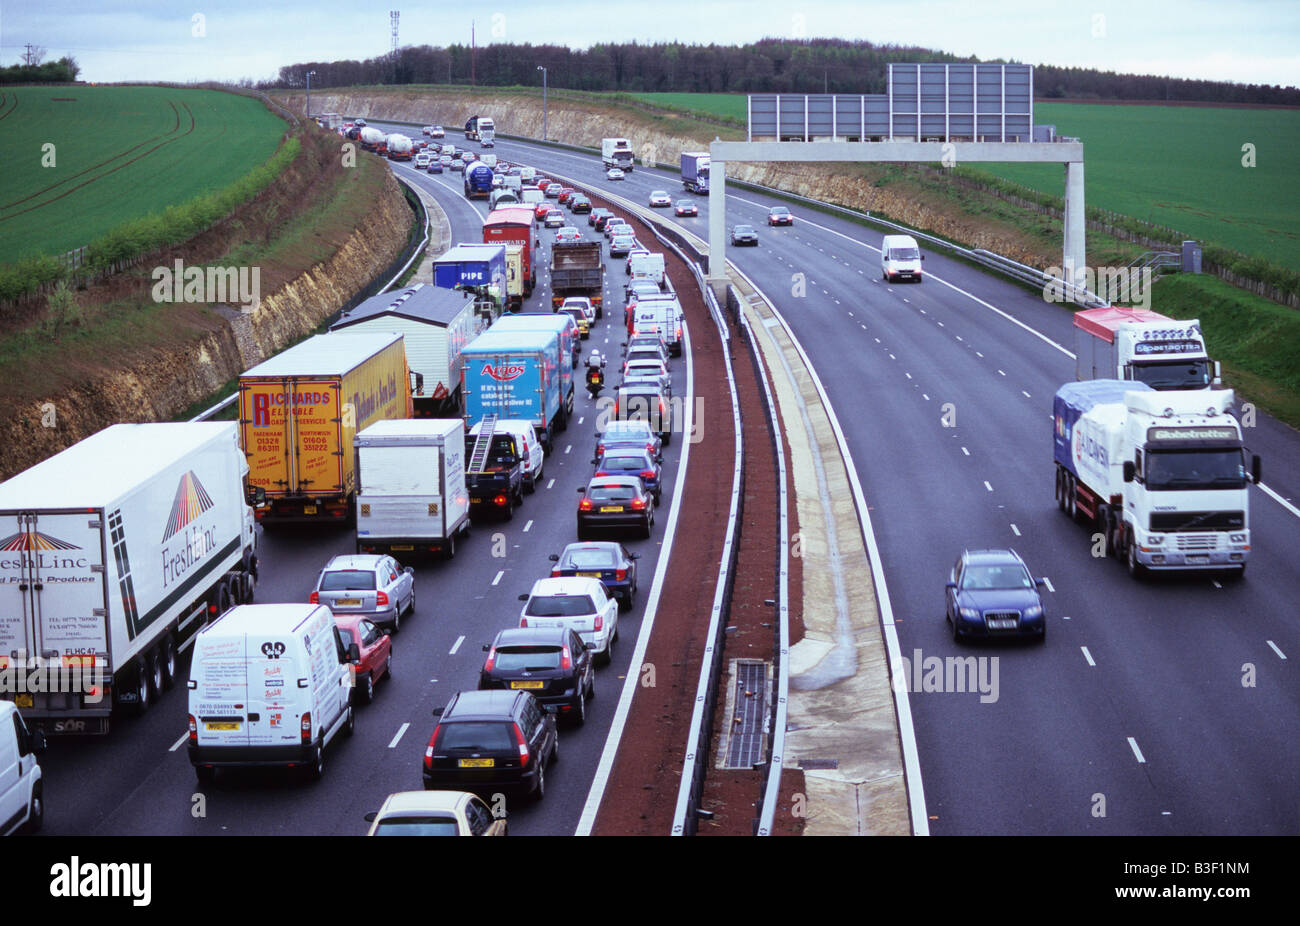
269	685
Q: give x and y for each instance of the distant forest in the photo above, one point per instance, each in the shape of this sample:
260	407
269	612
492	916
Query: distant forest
768	66
63	71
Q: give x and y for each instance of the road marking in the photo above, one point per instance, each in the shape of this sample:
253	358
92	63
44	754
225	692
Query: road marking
1000	373
1281	655
1137	752
177	745
925	396
498	578
892	357
941	325
987	486
527	526
959	337
568	448
551	483
1048	583
580	421
965	451
1088	656
398	738
455	646
1025	394
1015	530
978	354
908	375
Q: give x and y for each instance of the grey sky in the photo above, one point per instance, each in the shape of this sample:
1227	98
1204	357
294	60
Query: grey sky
1254	41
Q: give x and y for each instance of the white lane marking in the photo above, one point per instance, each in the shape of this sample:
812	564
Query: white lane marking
959	337
892	357
1137	752
978	354
568	448
498	578
987	486
455	646
1088	656
965	451
528	526
177	745
1048	583
398	738
550	484
925	396
1015	530
908	375
1025	394
1281	655
1280	500
1000	373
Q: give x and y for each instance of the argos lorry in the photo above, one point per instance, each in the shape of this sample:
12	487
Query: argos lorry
411	495
616	152
695	171
114	553
516	374
1142	346
1161	475
563	325
577	270
299	411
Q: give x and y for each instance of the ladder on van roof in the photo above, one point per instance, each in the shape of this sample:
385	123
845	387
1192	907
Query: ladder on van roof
482	446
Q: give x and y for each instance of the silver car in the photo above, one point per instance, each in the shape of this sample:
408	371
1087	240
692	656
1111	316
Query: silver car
367	583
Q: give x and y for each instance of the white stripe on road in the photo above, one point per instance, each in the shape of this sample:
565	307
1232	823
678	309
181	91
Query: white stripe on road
1280	654
1048	583
177	745
1088	656
396	739
455	646
498	578
527	526
1137	752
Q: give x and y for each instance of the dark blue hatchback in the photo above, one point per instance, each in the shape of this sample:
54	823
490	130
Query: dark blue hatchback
605	560
991	594
639	463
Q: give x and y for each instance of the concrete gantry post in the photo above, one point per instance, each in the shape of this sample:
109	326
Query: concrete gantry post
1075	257
718	228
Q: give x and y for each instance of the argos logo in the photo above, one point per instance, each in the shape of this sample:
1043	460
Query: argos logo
503	373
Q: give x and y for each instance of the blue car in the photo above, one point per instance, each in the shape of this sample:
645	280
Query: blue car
991	593
605	560
622	462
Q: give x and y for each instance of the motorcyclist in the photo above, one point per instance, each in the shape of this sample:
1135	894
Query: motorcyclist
595	369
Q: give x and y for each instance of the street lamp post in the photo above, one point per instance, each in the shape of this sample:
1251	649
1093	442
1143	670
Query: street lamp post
545	110
309	76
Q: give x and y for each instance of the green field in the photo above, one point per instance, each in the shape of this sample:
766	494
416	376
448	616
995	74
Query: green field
119	153
1178	166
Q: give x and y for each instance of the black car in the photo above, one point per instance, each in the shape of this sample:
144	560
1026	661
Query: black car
489	741
615	501
551	662
435	166
779	215
638	463
744	234
598	218
602	559
991	593
579	204
648	404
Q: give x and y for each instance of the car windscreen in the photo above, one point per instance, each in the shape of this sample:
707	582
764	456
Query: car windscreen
625	462
744	229
347	580
611	493
1002	577
904	254
589	559
422	825
559	606
530	658
476	736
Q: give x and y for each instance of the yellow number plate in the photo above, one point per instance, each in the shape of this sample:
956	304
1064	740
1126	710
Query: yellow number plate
590	575
403	546
476	763
527	684
348	602
23	700
308	509
607	509
221	726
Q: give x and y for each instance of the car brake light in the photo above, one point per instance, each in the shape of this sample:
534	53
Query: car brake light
601	472
381	599
523	745
566	659
491	660
584	505
620	575
647	473
315	598
556	573
194	731
428	750
638	504
598	623
306	728
499	501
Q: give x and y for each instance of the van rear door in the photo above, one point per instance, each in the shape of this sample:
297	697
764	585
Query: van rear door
275	701
219	700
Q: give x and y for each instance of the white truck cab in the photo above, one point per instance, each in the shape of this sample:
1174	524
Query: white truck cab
270	685
22	801
900	258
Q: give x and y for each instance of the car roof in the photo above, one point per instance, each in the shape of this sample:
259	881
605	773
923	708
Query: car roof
406	802
608	545
521	636
481	705
567	585
356	561
624	481
991	557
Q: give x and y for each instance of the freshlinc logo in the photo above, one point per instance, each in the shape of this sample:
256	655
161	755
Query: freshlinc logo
190	502
33	540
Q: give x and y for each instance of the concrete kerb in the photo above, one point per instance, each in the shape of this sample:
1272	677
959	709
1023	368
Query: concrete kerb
851	718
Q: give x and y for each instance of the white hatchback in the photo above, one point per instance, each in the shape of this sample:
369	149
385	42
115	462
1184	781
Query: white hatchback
581	604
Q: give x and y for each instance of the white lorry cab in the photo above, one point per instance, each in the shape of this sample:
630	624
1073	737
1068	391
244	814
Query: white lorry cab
900	258
270	685
22	803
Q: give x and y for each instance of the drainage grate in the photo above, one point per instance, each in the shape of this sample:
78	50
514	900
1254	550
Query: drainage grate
748	721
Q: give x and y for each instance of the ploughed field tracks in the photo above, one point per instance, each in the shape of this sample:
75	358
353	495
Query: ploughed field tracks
134	782
1165	705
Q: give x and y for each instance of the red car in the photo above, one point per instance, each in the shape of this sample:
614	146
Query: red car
540	212
542	183
376	660
566	193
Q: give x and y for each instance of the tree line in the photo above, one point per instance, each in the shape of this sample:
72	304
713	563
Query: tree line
767	66
63	71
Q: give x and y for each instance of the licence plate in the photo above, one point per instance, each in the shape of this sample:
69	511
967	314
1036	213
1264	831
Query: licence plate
609	509
347	602
222	725
1198	558
23	700
590	575
308	509
529	685
476	763
1007	624
476	501
402	546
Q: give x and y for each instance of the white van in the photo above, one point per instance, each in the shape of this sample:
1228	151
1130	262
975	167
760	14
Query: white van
530	448
22	802
900	258
270	684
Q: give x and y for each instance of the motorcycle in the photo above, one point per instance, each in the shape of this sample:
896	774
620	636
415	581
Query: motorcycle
595	382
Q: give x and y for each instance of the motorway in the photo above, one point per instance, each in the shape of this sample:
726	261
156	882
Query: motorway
151	788
1167	706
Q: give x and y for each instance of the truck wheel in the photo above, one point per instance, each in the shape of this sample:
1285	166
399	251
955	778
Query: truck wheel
143	699
1071	499
167	659
154	661
1135	569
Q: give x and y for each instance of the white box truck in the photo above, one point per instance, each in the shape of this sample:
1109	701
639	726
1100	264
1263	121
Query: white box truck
270	685
113	554
617	152
411	495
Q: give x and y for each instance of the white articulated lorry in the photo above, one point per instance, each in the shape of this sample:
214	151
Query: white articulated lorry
1162	476
617	152
113	554
1143	346
411	494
